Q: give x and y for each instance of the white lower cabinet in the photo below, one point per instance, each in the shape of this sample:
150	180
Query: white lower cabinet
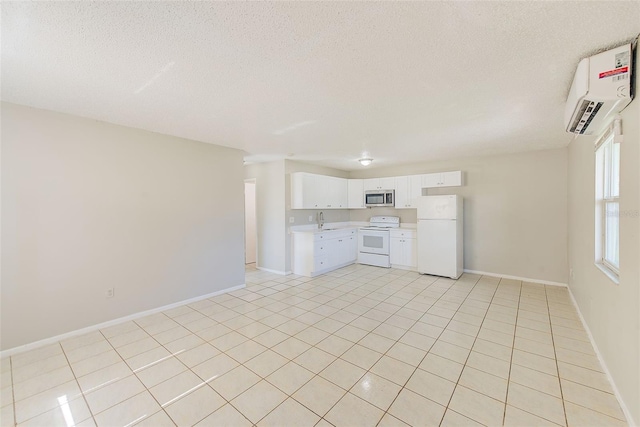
320	252
403	249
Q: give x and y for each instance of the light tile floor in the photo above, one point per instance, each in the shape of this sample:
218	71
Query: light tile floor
361	346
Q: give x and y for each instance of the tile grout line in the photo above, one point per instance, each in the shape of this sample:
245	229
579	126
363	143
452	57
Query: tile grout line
513	346
426	353
358	287
13	392
377	360
63	352
315	374
59	343
534	389
580	384
289	361
84	397
555	356
464	365
339	357
385	412
134	373
207	382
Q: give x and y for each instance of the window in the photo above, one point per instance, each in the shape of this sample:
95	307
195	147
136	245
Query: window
607	203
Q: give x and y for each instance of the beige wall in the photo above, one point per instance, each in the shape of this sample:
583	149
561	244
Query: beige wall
611	311
88	205
515	209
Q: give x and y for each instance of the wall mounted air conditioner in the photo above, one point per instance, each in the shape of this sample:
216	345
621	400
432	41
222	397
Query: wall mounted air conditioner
601	88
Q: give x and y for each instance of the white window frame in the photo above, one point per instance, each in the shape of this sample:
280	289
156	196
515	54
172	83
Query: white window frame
607	189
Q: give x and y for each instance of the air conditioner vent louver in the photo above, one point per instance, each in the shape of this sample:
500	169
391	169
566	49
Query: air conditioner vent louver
602	87
586	113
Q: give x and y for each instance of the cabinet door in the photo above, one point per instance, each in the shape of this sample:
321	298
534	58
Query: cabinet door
403	251
431	180
408	189
312	191
352	251
403	198
388	183
452	179
395	251
444	179
371	184
415	190
302	190
355	189
320	263
320	192
337	250
410	252
339	194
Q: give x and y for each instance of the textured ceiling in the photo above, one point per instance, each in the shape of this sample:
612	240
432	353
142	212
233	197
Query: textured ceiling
320	82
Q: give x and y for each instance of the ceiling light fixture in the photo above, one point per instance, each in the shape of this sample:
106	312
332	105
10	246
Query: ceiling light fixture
365	161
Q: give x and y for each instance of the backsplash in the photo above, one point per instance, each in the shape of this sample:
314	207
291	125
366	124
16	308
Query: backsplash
301	216
406	215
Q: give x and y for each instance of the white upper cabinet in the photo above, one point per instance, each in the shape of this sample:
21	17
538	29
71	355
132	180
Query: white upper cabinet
303	189
442	179
408	189
388	183
311	191
356	193
333	192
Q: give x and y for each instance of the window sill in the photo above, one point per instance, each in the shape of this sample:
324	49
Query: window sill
609	273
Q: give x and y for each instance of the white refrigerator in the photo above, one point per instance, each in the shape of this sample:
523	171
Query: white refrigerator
440	243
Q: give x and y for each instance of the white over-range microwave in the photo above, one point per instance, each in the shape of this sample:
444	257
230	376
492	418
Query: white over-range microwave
379	198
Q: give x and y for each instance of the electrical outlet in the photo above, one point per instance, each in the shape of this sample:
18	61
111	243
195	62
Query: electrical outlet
292	220
310	218
109	293
571	274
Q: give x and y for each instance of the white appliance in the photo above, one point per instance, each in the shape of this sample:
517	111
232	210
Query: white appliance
373	241
379	198
440	245
601	88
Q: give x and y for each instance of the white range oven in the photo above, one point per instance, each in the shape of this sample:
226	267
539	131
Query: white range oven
373	241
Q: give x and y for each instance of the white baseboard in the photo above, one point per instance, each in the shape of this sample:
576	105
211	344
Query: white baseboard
268	270
623	406
524	279
52	340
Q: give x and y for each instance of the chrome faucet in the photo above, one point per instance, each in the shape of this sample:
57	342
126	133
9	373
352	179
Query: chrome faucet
320	220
